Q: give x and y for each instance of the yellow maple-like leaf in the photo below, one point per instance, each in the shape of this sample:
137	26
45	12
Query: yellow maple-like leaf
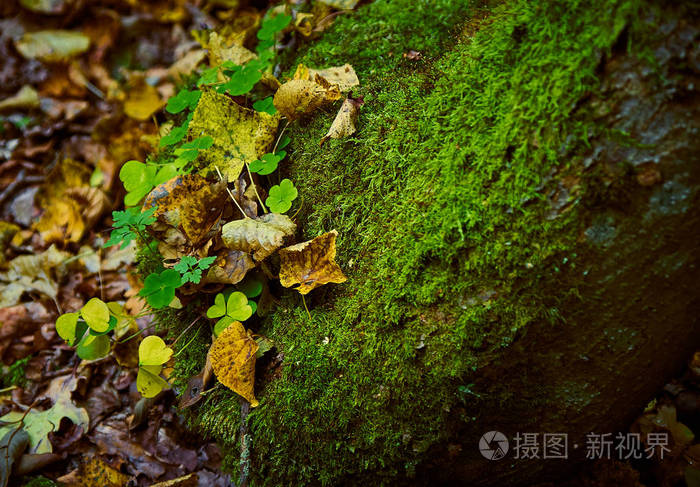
233	359
344	123
311	263
299	98
240	135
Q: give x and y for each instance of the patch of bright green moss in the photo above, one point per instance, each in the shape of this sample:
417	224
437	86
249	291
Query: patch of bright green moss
439	202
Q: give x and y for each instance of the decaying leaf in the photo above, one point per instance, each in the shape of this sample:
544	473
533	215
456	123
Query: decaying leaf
299	98
38	424
344	123
52	45
142	99
230	267
259	237
187	64
220	50
92	472
343	76
37	272
311	263
26	98
240	135
189	202
341	4
233	356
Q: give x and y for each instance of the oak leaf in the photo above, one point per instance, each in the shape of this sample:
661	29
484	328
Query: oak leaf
259	237
310	264
233	356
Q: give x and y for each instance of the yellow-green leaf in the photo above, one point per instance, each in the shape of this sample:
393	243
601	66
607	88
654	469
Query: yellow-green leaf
52	45
96	314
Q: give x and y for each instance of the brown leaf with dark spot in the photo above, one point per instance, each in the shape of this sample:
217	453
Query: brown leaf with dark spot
230	267
311	263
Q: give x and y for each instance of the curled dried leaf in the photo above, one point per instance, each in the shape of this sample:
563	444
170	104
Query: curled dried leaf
233	356
311	263
343	76
259	237
344	123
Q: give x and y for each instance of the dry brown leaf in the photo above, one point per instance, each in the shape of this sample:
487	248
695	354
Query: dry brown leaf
187	64
230	267
259	237
343	76
311	263
221	50
189	202
300	97
344	123
233	359
93	201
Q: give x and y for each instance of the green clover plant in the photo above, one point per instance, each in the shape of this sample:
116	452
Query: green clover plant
235	308
281	196
153	354
87	329
159	289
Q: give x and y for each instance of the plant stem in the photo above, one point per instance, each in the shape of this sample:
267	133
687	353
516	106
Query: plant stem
279	137
230	193
255	188
303	300
301	203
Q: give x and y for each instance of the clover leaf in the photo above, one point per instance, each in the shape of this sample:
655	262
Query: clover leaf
267	164
273	25
235	308
159	289
154	351
242	80
96	315
139	179
176	133
265	105
191	269
250	287
185	99
69	328
188	152
281	196
93	347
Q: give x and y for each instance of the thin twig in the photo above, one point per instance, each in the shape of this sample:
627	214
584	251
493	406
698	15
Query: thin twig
301	203
230	193
255	188
279	137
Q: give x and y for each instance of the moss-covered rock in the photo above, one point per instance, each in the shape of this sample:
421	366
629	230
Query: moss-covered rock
488	182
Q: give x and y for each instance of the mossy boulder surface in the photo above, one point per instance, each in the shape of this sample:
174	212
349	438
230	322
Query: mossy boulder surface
488	182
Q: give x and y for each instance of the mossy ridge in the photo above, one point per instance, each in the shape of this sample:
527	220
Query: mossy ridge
439	205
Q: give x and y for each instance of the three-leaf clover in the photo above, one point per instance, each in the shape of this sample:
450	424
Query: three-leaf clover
184	99
281	196
139	179
188	152
265	105
267	164
153	353
159	289
176	133
191	269
127	224
273	25
235	308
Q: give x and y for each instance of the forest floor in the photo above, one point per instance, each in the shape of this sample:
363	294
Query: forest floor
76	103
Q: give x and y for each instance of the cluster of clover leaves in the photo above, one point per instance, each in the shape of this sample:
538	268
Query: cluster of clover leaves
91	330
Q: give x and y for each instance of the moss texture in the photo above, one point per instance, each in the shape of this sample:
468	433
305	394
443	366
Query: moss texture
439	202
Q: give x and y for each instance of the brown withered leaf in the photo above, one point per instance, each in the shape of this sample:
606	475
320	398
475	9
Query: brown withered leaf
220	50
299	98
343	76
189	480
233	360
93	201
259	237
344	123
311	263
95	471
189	202
230	267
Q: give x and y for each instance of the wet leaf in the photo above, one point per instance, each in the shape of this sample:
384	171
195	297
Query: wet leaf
259	237
344	123
240	135
12	446
233	356
281	196
52	45
189	202
299	98
311	263
231	267
38	424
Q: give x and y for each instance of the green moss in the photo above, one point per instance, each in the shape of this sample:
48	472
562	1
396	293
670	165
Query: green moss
14	375
440	204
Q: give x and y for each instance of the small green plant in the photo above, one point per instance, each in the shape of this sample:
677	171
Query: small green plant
281	196
153	354
185	99
128	224
265	105
87	329
159	288
235	308
139	179
190	268
189	151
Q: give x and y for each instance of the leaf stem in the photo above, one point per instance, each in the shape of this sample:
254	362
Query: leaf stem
279	137
255	188
301	204
230	193
303	300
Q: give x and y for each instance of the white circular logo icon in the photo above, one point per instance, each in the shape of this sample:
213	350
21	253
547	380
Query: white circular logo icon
493	445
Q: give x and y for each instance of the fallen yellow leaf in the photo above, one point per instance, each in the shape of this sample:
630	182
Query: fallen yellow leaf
344	123
233	359
310	264
299	98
